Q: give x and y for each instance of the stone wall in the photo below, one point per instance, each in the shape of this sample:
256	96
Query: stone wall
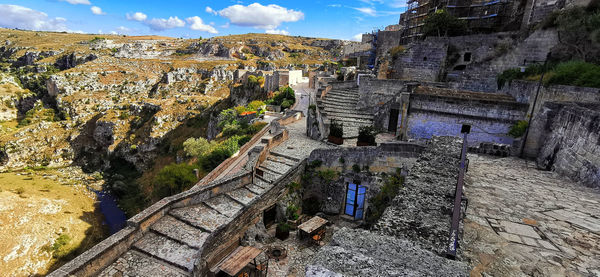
431	115
376	92
374	163
504	52
223	240
422	210
421	61
524	92
106	252
572	142
387	40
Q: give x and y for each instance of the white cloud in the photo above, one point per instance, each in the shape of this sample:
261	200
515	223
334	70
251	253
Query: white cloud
225	26
197	24
259	16
334	6
75	2
122	30
211	11
278	32
367	11
138	16
161	24
357	37
14	16
97	10
398	4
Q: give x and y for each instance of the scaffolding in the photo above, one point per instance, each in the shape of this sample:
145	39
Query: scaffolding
480	15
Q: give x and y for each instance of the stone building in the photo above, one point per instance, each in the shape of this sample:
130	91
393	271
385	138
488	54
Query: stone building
281	78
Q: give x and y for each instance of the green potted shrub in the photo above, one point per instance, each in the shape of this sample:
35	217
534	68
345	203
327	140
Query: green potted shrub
282	231
366	136
336	133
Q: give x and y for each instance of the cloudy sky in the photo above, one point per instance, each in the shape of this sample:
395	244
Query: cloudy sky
342	19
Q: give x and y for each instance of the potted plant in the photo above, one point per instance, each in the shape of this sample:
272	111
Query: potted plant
366	136
336	133
282	231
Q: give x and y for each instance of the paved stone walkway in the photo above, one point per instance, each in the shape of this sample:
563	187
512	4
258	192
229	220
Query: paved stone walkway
525	222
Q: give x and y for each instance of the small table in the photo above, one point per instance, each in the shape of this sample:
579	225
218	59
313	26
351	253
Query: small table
312	226
239	259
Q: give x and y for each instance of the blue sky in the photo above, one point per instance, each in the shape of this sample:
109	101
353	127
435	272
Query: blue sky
190	19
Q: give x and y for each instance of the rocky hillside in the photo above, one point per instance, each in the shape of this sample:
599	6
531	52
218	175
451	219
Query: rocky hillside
82	97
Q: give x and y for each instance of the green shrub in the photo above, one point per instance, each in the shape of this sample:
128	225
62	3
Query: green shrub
283	227
575	73
518	130
341	160
315	163
294	186
328	175
336	129
173	179
356	168
255	105
197	147
366	134
286	104
59	248
292	212
382	200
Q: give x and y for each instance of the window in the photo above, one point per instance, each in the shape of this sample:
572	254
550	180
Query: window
467	57
355	201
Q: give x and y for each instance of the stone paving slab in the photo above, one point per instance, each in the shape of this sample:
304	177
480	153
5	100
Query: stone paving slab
134	263
180	231
201	216
168	250
525	222
242	195
224	205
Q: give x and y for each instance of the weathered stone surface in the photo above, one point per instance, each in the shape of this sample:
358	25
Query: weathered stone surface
422	210
180	231
355	252
201	216
168	250
134	263
224	205
522	221
242	195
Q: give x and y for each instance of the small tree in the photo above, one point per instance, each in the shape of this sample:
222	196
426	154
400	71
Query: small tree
443	24
197	147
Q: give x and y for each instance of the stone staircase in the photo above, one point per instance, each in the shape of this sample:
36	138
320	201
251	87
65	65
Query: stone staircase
173	243
341	106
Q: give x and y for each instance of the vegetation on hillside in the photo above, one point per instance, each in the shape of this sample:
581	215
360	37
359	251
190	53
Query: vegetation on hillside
285	98
571	73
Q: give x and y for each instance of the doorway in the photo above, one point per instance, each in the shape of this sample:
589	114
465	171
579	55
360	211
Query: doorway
393	122
355	201
270	216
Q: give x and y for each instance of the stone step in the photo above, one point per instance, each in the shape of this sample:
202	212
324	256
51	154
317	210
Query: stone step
340	98
242	195
136	263
168	250
270	177
281	159
342	93
269	170
224	205
340	105
276	166
294	159
201	216
347	112
180	231
255	189
340	115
